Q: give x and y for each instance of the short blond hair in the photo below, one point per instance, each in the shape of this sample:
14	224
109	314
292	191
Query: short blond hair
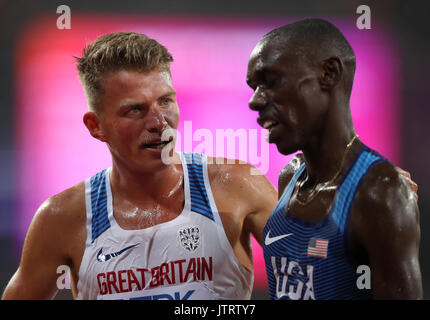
115	51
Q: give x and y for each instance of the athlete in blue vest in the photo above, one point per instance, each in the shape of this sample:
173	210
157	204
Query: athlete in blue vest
346	225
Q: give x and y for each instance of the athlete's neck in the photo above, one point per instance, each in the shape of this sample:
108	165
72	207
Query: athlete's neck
328	150
156	184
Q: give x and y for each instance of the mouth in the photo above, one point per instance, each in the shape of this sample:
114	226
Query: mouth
267	124
157	144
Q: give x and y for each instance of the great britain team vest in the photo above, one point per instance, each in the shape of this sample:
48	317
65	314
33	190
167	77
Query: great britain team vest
188	257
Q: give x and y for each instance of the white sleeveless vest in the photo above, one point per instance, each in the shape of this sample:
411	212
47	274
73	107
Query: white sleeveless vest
188	257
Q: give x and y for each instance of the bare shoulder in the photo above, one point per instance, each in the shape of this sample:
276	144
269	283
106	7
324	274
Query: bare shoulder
385	205
238	177
245	199
64	210
288	171
59	227
383	189
66	202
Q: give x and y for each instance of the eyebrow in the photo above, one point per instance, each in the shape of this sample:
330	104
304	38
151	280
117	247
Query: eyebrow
169	93
260	72
129	105
271	69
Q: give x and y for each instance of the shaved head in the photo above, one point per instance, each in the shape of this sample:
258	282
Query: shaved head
315	40
302	76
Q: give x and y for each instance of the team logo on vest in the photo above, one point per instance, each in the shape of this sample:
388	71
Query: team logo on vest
189	238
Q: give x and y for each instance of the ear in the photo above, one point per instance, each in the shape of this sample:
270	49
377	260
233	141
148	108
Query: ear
332	71
93	124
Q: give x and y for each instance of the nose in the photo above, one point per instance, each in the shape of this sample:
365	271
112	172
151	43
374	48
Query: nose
156	121
258	100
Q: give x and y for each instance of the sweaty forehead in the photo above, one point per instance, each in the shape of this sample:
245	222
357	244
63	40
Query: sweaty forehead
125	80
122	86
270	56
264	56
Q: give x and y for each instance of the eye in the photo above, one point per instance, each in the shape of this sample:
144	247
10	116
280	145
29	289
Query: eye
166	101
134	110
271	80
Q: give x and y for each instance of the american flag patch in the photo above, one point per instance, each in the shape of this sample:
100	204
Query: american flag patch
317	248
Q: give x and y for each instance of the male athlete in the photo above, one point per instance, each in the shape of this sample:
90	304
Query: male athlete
346	225
144	229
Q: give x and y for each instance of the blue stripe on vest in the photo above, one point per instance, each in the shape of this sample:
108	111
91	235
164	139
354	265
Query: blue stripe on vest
198	195
99	220
350	185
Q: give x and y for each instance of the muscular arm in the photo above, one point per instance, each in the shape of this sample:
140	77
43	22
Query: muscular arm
36	275
262	197
385	220
245	202
56	237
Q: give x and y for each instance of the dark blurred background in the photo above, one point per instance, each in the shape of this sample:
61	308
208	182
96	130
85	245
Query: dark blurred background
407	21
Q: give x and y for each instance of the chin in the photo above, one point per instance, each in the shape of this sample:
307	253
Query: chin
286	149
151	166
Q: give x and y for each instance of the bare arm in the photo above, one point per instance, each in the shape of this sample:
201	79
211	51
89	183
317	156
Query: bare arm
262	196
385	218
245	201
42	253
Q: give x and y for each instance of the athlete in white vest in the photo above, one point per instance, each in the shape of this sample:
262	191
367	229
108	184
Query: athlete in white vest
144	228
188	257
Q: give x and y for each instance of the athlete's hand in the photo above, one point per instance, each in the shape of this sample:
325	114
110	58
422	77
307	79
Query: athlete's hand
408	179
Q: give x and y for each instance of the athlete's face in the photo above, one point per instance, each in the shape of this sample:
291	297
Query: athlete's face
287	96
137	108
